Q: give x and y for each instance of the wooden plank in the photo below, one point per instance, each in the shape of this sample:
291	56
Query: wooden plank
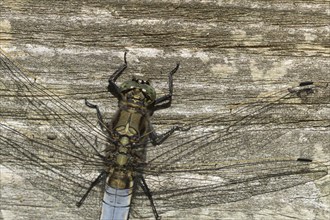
231	54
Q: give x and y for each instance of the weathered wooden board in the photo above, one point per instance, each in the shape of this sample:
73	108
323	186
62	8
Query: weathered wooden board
232	53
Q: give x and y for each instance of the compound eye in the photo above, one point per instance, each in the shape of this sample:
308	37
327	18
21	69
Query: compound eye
146	95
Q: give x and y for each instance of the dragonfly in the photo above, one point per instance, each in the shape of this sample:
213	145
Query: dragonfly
212	159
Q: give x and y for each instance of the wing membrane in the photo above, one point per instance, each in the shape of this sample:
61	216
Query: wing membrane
187	186
222	158
63	167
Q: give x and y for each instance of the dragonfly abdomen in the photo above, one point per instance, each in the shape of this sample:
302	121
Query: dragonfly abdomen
116	203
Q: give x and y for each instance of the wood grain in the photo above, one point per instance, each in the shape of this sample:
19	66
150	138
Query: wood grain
231	54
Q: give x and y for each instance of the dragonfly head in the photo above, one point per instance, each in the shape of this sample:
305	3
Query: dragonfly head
138	87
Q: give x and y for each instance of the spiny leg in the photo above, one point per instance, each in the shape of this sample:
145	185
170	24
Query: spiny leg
112	87
102	126
146	190
157	139
99	115
100	177
166	98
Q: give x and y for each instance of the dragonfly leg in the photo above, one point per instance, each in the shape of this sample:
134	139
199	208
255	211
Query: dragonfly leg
112	87
157	139
99	115
98	179
166	100
146	190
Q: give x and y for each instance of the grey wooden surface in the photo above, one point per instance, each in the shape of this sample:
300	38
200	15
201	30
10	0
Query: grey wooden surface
231	54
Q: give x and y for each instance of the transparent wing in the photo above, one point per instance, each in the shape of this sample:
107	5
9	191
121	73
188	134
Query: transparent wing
48	143
229	158
222	158
189	186
257	130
